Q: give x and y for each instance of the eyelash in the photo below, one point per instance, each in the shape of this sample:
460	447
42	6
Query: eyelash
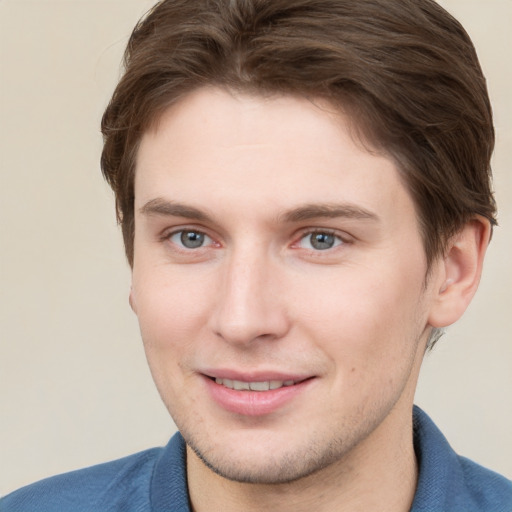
168	236
338	239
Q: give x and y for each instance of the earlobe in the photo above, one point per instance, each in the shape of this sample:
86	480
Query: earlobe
131	300
461	270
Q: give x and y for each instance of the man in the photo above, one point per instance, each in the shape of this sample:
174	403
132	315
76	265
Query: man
303	189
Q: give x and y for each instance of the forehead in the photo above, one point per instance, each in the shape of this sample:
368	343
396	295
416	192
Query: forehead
222	149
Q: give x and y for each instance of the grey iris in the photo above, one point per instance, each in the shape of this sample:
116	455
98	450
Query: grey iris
322	241
192	239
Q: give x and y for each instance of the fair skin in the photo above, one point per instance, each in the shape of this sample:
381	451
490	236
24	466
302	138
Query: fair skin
273	250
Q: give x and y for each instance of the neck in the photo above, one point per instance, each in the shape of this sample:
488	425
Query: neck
380	474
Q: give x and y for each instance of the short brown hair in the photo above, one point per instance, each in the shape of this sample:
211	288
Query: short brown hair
405	72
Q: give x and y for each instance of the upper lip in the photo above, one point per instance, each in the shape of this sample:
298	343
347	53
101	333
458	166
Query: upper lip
254	376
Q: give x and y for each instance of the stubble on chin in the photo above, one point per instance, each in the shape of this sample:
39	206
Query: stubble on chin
286	467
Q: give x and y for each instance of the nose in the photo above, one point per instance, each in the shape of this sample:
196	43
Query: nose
251	301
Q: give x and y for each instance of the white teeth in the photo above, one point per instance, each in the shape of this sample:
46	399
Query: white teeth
239	385
259	386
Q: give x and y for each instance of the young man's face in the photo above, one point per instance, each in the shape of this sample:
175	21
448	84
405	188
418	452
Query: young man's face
272	252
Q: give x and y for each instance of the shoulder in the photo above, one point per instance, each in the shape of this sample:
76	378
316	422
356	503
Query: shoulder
449	482
150	480
487	489
122	484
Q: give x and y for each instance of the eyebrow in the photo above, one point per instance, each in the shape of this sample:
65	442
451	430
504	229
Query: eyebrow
160	206
329	210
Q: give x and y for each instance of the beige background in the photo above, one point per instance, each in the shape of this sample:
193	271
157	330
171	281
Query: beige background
74	385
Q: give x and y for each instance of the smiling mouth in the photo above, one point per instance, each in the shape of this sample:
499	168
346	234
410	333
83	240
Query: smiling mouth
265	385
256	397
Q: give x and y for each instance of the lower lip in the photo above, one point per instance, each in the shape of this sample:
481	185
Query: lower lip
254	403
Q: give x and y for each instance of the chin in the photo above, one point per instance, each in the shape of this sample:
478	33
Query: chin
271	467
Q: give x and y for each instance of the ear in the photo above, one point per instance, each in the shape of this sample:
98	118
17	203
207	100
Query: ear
460	272
131	300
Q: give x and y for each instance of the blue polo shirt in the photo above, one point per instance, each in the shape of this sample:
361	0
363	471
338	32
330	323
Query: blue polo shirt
155	481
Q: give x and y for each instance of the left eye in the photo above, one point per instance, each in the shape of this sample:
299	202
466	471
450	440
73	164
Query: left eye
190	239
320	241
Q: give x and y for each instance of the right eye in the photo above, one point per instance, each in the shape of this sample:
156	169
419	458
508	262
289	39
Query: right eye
190	239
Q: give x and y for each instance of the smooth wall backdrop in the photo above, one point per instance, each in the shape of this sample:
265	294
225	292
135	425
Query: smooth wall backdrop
74	386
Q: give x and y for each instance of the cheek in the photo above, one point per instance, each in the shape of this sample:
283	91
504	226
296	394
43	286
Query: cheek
170	317
363	317
170	310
